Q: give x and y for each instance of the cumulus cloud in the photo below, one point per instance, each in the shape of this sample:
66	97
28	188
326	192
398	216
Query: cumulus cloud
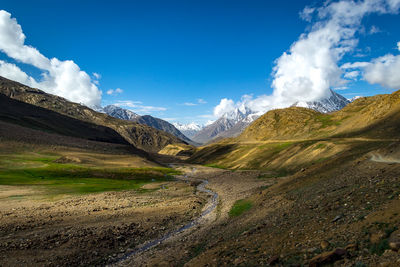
398	46
309	69
385	71
63	78
374	29
200	101
114	92
189	104
352	75
224	106
137	106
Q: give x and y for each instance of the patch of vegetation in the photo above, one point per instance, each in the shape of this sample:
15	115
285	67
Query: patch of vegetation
239	207
198	249
319	146
326	120
380	247
57	178
212	165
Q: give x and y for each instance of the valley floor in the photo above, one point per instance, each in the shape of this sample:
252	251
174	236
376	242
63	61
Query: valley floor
344	211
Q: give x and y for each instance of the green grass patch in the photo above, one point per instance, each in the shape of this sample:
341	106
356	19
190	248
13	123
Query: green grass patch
239	207
56	178
276	147
320	146
212	165
326	120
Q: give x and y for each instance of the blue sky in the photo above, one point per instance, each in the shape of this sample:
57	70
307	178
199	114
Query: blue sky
177	59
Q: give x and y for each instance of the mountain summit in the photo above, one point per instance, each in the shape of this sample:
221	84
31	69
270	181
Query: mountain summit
233	123
332	103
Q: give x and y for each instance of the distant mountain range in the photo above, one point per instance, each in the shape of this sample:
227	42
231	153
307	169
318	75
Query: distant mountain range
190	129
125	114
233	123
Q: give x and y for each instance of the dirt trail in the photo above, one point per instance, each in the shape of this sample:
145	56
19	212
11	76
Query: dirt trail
384	159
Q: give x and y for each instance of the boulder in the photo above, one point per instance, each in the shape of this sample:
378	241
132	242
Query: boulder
328	257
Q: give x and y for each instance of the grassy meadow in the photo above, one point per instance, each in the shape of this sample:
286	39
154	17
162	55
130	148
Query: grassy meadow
43	172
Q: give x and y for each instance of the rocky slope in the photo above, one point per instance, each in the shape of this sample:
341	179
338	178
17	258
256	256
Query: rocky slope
124	114
141	136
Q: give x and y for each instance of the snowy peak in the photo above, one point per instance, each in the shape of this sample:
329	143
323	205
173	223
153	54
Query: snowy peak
187	127
240	117
120	113
332	103
190	129
354	98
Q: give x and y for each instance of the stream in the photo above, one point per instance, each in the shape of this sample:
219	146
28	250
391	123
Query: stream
211	205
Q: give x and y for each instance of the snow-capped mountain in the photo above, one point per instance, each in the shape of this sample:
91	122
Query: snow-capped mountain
354	98
332	103
120	113
233	123
189	129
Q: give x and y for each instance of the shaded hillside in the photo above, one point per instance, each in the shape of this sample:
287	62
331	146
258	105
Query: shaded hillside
163	126
24	123
30	116
141	136
125	114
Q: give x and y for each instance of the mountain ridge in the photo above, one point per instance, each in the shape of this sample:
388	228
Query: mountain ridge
157	123
235	122
141	136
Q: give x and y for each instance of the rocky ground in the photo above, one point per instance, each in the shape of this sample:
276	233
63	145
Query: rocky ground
92	229
340	212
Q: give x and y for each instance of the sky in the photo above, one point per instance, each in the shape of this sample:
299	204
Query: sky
192	61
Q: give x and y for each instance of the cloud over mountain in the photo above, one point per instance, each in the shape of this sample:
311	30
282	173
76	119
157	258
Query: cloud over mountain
63	78
309	69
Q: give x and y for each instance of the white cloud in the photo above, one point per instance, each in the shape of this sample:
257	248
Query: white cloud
374	29
224	106
354	65
13	72
352	75
114	92
138	106
310	68
200	101
96	75
341	88
398	46
63	78
385	71
189	104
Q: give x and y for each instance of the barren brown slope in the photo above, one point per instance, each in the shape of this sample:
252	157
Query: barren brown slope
286	140
141	136
376	116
